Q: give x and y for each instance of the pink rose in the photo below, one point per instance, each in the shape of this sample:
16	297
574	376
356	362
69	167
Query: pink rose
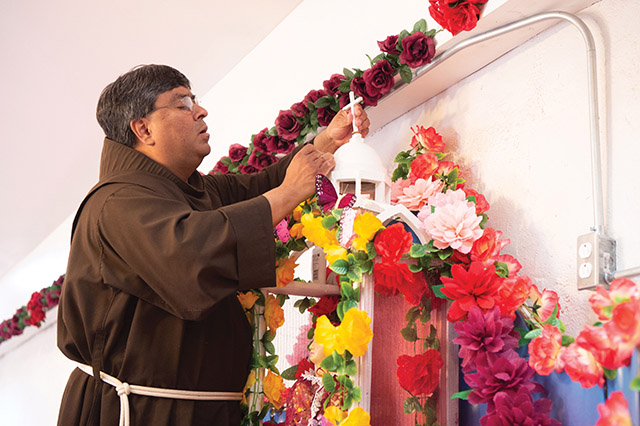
389	45
417	50
237	152
581	366
545	350
415	196
287	126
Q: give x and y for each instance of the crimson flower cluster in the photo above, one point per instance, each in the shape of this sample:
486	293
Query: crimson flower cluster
456	16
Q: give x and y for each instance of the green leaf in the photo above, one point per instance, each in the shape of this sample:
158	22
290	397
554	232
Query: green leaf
328	383
610	374
553	316
329	363
290	373
269	348
461	395
417	250
345	86
371	250
567	340
635	384
324	101
356	394
445	254
437	291
378	58
340	267
347	292
401	172
415	268
348	73
409	334
412	314
533	334
405	73
420	26
350	368
328	222
412	404
403	157
502	269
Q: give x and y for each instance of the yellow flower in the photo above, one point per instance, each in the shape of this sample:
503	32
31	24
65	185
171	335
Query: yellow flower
328	336
285	271
357	417
297	213
315	232
273	313
251	380
296	231
334	414
335	252
355	332
273	386
248	299
365	226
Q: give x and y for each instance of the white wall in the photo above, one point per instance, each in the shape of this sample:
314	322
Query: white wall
518	128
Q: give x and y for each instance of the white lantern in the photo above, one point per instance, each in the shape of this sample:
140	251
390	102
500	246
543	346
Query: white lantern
360	171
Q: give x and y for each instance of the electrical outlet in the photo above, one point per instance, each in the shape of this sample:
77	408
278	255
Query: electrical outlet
596	258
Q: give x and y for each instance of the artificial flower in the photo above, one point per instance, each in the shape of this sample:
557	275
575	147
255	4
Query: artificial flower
462	17
316	233
296	231
392	242
415	196
482	205
325	306
273	313
237	152
388	275
484	333
334	415
273	387
413	290
365	226
251	380
297	213
259	141
333	83
581	366
260	160
335	252
488	246
287	125
417	50
360	89
389	45
625	322
282	232
419	374
547	301
513	292
248	299
609	349
379	78
510	263
424	165
519	409
614	411
247	169
355	331
34	307
426	139
621	290
454	222
476	287
328	336
545	351
357	417
304	366
220	167
325	115
285	269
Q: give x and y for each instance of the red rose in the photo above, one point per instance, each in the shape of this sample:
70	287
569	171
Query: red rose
299	109
325	306
463	17
303	366
343	100
278	145
237	152
379	78
389	276
482	205
359	88
423	166
392	242
260	160
34	307
331	85
220	167
420	374
417	50
247	169
389	45
287	126
325	115
260	141
314	95
414	290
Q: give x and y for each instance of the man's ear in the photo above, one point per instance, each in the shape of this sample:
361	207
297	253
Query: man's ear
140	128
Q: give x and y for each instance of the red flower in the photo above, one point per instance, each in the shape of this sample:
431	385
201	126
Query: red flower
607	348
325	306
482	205
34	307
488	246
331	85
615	411
260	160
304	366
392	242
417	50
513	293
423	166
581	366
389	45
389	276
420	374
414	290
545	350
287	126
476	287
427	139
463	17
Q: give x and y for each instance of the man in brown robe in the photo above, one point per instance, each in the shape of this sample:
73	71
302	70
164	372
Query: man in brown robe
158	253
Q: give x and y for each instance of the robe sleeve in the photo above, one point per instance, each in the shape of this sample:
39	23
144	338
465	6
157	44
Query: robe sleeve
233	188
184	261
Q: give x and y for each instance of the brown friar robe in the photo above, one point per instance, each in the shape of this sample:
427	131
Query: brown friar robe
150	290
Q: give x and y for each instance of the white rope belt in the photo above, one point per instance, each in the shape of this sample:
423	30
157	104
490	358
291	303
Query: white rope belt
124	389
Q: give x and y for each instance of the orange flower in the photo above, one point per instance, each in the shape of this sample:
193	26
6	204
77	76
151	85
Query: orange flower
273	387
296	231
285	271
248	299
273	313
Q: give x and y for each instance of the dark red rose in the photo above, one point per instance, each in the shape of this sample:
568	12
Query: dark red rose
278	145
220	167
417	50
299	109
389	45
260	160
237	152
331	85
34	307
247	169
343	100
325	115
420	374
359	88
260	141
379	78
387	277
314	95
287	126
325	306
392	242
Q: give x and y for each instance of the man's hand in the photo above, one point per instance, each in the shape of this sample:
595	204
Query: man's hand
299	182
340	130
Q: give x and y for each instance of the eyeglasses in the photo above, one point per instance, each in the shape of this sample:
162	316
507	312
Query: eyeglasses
186	102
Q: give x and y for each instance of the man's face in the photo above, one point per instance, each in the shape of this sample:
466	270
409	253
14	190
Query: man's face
180	135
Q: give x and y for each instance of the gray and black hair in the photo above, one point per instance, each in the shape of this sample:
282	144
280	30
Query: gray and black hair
132	96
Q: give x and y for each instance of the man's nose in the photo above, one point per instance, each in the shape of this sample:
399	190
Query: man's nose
199	112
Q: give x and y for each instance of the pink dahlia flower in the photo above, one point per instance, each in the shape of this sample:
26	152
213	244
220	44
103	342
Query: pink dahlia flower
415	196
519	409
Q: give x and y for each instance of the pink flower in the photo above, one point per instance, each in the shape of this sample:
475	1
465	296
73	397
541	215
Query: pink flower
488	246
482	205
513	293
519	409
581	366
625	322
621	290
609	349
454	222
545	350
615	411
416	196
548	300
427	139
397	189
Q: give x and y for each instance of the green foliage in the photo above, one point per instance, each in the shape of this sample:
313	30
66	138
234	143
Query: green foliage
405	73
290	373
304	304
635	384
461	395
